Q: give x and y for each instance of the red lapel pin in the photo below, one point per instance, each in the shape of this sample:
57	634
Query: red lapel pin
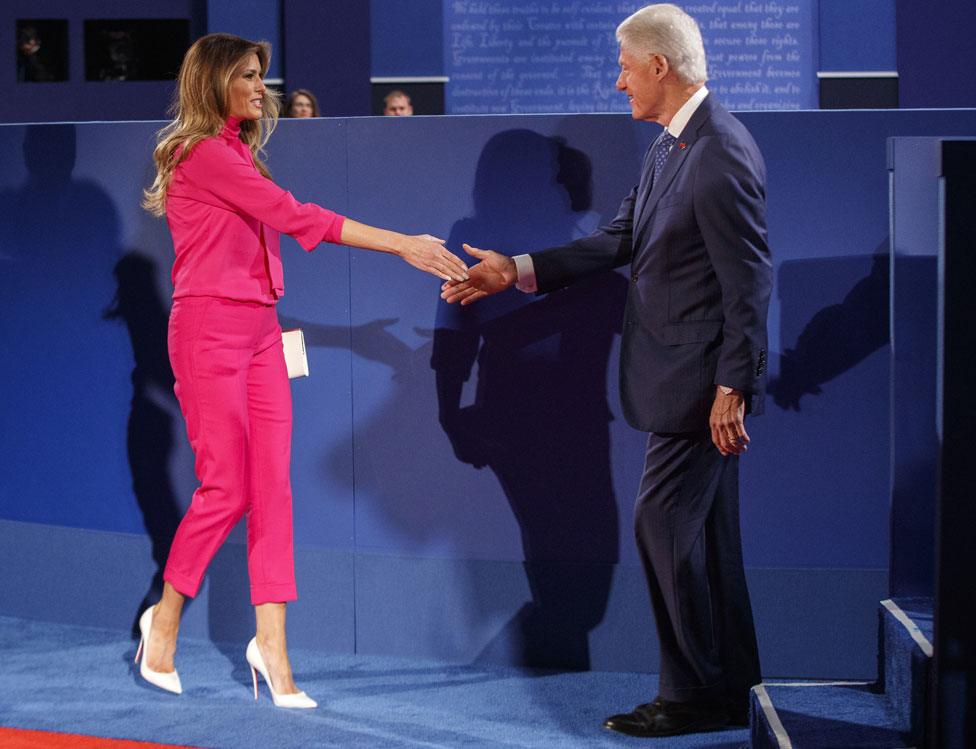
682	145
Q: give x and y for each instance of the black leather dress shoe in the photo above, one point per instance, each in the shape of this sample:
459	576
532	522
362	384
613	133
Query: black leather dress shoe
664	718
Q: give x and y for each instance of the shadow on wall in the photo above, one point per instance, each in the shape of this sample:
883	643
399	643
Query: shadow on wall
149	435
837	337
540	418
58	236
831	459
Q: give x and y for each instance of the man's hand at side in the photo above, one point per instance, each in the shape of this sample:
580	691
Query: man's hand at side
495	272
727	422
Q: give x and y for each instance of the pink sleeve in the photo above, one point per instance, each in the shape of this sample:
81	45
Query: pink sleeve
216	169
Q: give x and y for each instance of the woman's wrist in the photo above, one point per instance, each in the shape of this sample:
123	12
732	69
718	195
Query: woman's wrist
357	234
397	243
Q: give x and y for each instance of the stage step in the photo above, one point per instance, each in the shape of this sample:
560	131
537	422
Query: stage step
823	715
889	713
906	660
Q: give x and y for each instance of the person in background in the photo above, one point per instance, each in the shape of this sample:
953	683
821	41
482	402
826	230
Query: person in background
692	362
302	103
30	65
225	215
397	104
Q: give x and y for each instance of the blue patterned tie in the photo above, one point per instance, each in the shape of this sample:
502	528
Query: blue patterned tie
661	150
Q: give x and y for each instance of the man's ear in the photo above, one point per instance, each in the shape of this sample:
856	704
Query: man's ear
659	64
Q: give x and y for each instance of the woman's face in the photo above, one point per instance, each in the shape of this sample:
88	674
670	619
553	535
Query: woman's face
247	90
301	106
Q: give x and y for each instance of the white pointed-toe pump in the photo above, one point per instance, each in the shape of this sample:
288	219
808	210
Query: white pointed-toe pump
254	659
169	681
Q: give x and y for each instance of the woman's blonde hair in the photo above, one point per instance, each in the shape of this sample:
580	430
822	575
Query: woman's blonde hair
201	105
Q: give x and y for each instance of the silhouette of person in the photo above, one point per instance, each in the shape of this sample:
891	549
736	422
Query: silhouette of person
836	338
149	435
540	416
58	242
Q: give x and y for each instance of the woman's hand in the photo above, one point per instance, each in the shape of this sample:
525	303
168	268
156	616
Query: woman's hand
429	254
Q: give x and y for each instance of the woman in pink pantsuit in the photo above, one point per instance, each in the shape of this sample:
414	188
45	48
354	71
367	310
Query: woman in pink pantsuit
225	215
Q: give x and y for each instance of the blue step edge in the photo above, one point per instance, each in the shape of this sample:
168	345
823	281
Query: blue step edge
823	715
905	660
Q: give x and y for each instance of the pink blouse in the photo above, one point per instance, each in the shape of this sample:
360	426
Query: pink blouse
225	219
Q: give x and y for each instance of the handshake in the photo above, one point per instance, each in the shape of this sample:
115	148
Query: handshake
494	272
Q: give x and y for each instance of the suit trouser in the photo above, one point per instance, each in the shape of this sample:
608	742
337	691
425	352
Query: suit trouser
232	386
687	526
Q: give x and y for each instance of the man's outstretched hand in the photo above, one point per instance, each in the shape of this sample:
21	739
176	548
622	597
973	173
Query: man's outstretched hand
495	272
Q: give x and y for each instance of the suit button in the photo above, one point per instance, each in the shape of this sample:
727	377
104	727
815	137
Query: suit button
633	277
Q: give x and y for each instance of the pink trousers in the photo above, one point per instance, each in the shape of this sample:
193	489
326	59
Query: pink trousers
233	390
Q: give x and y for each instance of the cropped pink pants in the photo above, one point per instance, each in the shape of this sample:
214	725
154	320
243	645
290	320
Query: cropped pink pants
233	390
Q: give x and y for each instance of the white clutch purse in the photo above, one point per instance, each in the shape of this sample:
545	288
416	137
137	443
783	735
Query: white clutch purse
293	342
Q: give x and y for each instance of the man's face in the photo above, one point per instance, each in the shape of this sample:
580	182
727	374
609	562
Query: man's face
640	78
398	106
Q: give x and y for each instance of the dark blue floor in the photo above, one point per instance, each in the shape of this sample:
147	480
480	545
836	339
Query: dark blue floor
77	679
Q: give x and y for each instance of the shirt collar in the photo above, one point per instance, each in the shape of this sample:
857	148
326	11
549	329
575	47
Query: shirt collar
232	127
681	117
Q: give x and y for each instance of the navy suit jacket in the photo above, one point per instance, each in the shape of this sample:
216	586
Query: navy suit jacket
700	275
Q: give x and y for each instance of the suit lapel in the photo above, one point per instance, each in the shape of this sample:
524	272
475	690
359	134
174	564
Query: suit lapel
679	152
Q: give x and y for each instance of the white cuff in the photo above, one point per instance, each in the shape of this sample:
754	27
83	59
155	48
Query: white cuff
526	274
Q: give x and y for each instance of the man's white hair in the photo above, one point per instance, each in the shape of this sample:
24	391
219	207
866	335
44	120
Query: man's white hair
667	30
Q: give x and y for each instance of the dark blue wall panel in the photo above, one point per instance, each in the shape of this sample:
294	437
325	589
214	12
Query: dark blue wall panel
69	213
333	48
251	19
327	51
92	437
77	99
935	45
506	196
857	36
310	159
407	38
915	165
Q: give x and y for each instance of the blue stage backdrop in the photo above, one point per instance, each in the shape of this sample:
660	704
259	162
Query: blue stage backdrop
524	56
463	479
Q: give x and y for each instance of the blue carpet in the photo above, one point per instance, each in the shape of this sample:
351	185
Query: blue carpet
76	679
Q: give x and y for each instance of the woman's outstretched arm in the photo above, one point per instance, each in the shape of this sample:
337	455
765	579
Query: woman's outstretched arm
422	251
214	172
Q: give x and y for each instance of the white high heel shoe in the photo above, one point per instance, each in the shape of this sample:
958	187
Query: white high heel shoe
254	659
169	681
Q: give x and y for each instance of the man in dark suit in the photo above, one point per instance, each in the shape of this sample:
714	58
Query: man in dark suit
693	362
